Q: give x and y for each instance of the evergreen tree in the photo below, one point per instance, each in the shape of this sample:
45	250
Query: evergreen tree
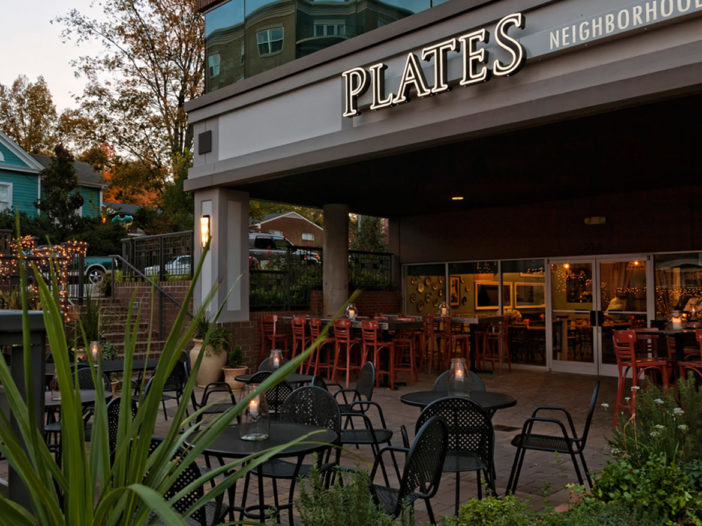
60	201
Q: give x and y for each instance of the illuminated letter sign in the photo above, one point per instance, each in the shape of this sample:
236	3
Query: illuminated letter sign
476	68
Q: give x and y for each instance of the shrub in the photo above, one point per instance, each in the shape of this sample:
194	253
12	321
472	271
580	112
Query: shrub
350	504
492	511
658	486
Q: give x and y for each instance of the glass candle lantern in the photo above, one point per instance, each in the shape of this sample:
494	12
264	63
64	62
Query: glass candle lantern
94	346
275	359
255	420
458	381
676	320
351	311
443	310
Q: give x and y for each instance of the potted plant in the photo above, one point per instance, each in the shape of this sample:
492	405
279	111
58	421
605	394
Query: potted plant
215	354
234	367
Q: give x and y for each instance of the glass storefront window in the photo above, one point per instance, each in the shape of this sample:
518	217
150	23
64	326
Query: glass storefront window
426	289
525	280
474	289
224	44
678	284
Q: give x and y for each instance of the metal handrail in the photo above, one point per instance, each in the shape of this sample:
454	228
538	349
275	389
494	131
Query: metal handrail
162	292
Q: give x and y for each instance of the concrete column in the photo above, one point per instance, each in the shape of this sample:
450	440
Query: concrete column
394	248
226	266
336	257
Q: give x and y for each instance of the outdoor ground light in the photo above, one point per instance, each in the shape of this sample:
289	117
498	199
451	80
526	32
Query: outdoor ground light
204	230
351	312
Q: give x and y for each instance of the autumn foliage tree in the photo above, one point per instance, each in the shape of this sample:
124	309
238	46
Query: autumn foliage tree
137	89
28	115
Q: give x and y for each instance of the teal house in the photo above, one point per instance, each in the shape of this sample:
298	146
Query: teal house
21	181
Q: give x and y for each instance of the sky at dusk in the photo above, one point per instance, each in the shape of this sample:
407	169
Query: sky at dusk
32	46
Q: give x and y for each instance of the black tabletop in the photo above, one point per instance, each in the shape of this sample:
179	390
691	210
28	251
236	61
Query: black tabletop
488	400
229	445
292	378
87	396
115	366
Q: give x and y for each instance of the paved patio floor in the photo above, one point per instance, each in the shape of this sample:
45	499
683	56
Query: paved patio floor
544	475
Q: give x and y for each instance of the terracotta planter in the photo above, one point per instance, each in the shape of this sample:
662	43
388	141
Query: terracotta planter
211	365
230	373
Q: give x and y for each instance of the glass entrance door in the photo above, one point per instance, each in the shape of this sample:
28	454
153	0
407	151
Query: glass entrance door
591	298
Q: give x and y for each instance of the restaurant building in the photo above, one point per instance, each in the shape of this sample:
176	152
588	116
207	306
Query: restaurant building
538	159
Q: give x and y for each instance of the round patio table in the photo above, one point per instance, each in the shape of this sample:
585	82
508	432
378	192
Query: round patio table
491	401
52	399
229	445
292	378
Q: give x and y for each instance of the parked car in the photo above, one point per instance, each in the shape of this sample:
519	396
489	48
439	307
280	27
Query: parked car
265	248
178	266
96	267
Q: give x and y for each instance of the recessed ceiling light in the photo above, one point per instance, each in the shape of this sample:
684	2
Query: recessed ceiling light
457	198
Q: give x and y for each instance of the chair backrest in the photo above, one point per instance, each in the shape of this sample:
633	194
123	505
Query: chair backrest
276	395
590	412
648	340
85	378
269	325
177	379
428	323
189	475
366	380
113	420
624	345
342	330
267	364
698	337
315	328
671	347
298	327
469	426
425	462
475	383
369	332
312	406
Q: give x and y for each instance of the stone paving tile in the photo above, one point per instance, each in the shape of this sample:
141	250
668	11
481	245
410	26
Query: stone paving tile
544	476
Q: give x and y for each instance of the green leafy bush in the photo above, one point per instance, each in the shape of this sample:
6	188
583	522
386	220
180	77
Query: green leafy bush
349	504
492	511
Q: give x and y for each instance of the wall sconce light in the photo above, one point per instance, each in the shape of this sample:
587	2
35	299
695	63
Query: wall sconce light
351	312
204	230
443	310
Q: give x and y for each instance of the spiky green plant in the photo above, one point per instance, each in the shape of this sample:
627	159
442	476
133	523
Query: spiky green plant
91	486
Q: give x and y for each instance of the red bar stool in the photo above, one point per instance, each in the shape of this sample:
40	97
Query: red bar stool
406	359
625	352
343	349
495	348
270	337
322	357
300	338
430	344
371	342
452	339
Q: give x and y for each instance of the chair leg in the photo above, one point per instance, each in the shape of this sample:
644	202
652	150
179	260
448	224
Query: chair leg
458	491
585	469
430	512
516	468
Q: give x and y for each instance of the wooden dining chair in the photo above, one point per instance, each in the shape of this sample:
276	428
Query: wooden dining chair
322	358
271	338
348	354
625	352
300	338
384	353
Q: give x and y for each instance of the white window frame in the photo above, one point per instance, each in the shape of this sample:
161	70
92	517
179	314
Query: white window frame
7	206
213	65
269	41
306	236
338	25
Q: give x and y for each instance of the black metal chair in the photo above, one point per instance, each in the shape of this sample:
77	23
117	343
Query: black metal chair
113	420
474	383
567	441
211	513
355	403
422	472
175	385
470	439
276	395
313	406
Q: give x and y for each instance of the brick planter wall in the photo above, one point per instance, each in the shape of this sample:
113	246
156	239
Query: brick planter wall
247	333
